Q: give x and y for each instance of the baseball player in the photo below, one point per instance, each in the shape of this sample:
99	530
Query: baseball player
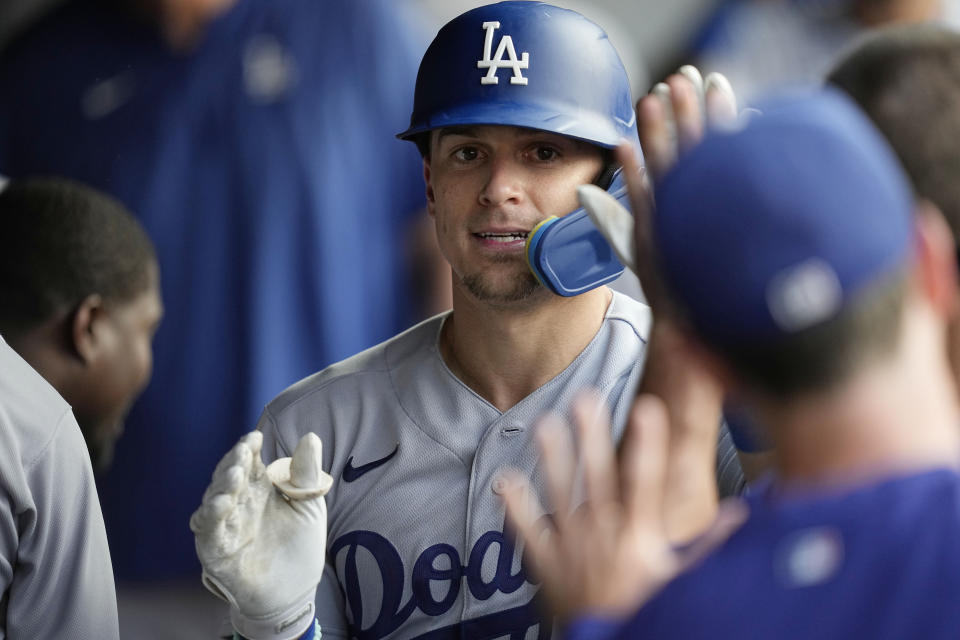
836	294
55	571
516	105
79	291
902	77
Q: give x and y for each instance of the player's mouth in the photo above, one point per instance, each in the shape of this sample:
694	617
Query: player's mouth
502	240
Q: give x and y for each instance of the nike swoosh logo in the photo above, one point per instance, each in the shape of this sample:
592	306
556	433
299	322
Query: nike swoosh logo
351	473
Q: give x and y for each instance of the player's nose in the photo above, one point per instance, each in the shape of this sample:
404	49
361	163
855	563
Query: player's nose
504	183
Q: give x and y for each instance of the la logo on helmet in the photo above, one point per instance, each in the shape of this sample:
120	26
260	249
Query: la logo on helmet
497	62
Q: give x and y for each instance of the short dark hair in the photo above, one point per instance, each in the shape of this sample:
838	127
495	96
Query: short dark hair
61	242
422	140
907	80
821	356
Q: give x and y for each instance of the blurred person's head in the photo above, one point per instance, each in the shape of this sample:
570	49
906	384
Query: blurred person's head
79	299
182	23
882	12
793	250
907	80
193	7
870	13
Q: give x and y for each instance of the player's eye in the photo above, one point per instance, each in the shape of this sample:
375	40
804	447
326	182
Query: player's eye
546	154
466	154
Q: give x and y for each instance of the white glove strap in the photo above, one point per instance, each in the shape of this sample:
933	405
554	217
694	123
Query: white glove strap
288	624
281	625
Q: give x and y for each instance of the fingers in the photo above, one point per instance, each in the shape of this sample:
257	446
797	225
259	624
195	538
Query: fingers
670	120
642	205
657	137
639	193
247	446
592	420
692	74
676	114
219	502
720	102
231	480
523	516
212	513
254	440
241	457
645	463
685	95
661	91
557	462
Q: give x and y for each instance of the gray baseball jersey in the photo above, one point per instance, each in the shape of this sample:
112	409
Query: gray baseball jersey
56	579
416	544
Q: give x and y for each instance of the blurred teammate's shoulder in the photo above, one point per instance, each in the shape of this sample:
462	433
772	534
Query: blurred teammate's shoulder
876	561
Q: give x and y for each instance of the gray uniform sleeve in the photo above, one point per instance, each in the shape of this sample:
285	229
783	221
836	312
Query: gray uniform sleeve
55	574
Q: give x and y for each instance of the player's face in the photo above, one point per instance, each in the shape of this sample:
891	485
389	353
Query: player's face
487	188
120	372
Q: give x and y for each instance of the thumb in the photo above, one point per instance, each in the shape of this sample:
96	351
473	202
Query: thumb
302	477
305	471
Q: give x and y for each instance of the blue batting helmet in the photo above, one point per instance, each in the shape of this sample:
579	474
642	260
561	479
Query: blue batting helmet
524	64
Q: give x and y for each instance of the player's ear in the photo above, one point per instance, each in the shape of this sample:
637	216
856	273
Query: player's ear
85	327
936	260
431	200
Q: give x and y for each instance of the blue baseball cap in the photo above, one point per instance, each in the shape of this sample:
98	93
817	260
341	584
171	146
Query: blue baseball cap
768	230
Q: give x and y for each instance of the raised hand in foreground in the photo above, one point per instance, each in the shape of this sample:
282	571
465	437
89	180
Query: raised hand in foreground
671	119
609	555
261	537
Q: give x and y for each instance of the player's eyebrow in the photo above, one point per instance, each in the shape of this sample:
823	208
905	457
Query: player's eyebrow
464	130
520	133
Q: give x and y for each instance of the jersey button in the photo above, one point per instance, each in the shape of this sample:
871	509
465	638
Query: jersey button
510	430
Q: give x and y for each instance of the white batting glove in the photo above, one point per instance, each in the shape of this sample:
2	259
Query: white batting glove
261	535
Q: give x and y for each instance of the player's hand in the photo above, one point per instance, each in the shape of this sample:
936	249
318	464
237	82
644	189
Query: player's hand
262	550
674	116
608	556
671	119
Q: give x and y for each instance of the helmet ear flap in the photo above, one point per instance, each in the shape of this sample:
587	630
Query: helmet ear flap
569	255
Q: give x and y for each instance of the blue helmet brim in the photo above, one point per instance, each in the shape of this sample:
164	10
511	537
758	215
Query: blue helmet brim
584	125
